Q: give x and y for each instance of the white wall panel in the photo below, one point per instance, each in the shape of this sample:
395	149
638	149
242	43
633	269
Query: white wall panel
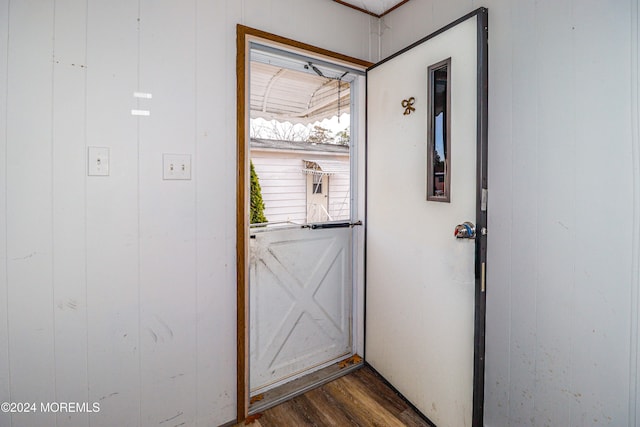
215	191
321	23
406	25
167	214
555	283
521	363
445	12
5	382
113	305
29	210
634	403
68	186
603	268
391	28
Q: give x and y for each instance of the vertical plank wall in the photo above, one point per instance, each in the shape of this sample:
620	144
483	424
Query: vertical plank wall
29	209
68	202
113	286
167	230
560	321
215	222
120	289
5	384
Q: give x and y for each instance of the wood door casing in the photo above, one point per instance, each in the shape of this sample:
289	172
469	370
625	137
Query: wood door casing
244	36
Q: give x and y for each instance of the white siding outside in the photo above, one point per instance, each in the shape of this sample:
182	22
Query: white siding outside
284	185
339	196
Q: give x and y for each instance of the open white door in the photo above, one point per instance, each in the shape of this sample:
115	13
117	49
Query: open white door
426	170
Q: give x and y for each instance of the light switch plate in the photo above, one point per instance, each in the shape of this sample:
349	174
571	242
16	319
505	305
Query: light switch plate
98	161
176	166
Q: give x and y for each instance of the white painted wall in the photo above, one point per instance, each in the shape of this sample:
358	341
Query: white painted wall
562	285
121	289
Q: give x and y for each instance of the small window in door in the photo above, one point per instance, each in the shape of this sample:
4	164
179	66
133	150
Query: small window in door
439	144
317	184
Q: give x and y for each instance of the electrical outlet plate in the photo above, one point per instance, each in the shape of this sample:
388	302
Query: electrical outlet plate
98	161
176	166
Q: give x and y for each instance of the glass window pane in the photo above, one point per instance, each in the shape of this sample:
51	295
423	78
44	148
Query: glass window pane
439	163
300	139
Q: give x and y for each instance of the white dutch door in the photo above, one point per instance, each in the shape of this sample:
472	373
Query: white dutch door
300	258
301	303
421	184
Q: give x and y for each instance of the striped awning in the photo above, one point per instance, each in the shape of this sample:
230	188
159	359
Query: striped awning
326	167
283	94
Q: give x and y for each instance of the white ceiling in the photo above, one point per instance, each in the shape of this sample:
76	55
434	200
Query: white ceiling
375	7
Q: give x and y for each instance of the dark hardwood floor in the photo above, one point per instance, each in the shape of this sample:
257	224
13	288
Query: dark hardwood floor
360	398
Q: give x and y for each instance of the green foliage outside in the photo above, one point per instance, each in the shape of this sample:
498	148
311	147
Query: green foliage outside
257	204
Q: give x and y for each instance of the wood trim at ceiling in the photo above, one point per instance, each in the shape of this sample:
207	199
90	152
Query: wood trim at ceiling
243	34
244	31
369	12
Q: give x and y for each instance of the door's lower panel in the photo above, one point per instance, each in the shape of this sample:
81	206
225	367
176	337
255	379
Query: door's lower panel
300	303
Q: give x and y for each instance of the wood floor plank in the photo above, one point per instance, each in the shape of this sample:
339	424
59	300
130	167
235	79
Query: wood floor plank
283	415
389	398
361	398
384	395
410	418
362	405
333	410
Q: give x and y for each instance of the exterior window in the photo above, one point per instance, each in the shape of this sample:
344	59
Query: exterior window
438	144
317	184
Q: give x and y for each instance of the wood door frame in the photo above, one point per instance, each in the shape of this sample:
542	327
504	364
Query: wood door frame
480	262
245	35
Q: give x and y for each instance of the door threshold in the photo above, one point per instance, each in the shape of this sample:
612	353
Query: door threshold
299	386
